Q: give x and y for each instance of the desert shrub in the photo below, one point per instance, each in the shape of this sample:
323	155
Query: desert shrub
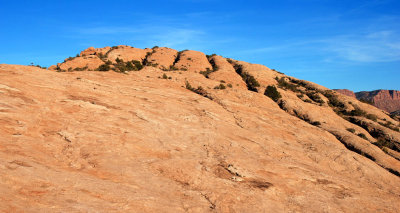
199	90
333	100
300	96
129	66
118	60
103	67
372	117
137	64
357	112
229	85
351	130
273	93
207	72
101	56
315	97
122	66
390	125
81	68
316	123
382	143
220	86
362	135
165	76
307	101
282	83
214	65
155	47
250	81
173	68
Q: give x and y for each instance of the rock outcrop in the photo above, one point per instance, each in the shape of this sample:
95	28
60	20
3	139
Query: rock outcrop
346	92
388	100
169	131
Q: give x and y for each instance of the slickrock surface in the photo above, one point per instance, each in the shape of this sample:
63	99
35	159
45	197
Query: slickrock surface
89	62
91	141
162	57
192	61
127	53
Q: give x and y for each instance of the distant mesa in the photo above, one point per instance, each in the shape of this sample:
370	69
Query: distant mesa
388	100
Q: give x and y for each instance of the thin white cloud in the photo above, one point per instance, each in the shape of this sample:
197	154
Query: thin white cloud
381	46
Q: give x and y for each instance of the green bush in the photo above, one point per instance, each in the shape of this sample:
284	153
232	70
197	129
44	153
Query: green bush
351	130
81	68
282	83
250	81
273	93
220	86
104	67
316	123
206	73
118	60
361	135
372	117
315	97
122	66
173	68
333	100
199	90
165	76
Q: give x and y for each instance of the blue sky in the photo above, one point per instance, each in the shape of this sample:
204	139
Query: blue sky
338	44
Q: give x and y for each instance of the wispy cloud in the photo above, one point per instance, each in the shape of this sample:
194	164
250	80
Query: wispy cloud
381	46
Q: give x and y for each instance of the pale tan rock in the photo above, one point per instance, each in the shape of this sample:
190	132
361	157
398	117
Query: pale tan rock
112	142
226	73
162	57
127	53
88	51
90	62
193	61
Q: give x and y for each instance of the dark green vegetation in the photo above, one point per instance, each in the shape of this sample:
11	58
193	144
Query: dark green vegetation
121	66
208	71
104	67
199	90
250	81
220	86
273	93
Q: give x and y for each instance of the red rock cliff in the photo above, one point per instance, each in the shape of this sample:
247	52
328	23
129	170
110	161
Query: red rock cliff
388	100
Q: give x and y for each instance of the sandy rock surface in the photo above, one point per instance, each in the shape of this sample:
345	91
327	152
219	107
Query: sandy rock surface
138	142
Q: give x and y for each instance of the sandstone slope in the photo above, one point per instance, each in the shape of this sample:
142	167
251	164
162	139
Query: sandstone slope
186	132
